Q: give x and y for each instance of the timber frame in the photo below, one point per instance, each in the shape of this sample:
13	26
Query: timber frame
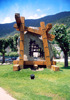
43	31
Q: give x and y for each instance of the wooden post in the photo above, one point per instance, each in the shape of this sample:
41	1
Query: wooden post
20	24
21	58
45	44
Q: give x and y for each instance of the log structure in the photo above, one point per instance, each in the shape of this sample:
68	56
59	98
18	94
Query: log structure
43	31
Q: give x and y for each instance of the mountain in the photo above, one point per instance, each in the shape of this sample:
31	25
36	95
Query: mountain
62	17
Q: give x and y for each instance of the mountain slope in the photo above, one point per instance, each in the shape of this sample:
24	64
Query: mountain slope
63	17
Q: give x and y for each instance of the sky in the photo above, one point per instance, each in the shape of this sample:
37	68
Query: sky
31	9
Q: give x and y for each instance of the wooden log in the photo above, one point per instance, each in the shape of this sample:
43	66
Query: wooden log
34	31
16	62
15	26
18	20
53	62
16	67
45	44
50	36
55	68
34	62
31	62
21	58
48	27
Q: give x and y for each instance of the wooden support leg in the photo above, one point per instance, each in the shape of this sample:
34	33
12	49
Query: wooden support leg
21	58
45	44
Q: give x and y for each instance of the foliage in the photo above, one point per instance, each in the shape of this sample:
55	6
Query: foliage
15	38
64	20
47	85
56	52
61	36
12	40
13	54
63	39
3	45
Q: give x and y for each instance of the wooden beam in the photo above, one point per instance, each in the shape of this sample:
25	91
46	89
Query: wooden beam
48	27
34	31
34	62
16	27
31	62
50	36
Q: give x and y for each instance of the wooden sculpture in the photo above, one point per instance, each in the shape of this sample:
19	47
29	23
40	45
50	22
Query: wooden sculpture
43	31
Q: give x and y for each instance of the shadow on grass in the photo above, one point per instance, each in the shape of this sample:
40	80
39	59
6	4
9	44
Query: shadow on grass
61	70
65	67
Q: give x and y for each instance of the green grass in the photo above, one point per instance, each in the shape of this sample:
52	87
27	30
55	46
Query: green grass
47	85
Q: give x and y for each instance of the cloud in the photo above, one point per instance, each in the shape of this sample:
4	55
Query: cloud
7	20
38	10
33	17
43	15
36	16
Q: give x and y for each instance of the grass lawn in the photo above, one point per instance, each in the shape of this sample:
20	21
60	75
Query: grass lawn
47	85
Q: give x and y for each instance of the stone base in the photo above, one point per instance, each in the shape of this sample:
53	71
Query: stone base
54	68
16	67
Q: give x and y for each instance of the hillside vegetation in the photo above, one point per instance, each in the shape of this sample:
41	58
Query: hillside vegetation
63	17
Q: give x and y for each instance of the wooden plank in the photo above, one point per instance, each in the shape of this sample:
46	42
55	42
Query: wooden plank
45	44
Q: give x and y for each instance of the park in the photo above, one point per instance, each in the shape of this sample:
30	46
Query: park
51	82
34	49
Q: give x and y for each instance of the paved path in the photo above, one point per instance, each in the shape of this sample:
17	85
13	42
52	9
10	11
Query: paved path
4	95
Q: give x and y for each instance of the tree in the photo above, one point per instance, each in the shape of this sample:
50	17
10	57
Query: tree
62	37
56	52
3	45
15	38
12	40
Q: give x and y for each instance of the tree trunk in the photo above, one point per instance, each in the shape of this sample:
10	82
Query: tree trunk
3	60
66	59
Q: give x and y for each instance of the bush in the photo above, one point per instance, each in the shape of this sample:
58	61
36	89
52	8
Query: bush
13	54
